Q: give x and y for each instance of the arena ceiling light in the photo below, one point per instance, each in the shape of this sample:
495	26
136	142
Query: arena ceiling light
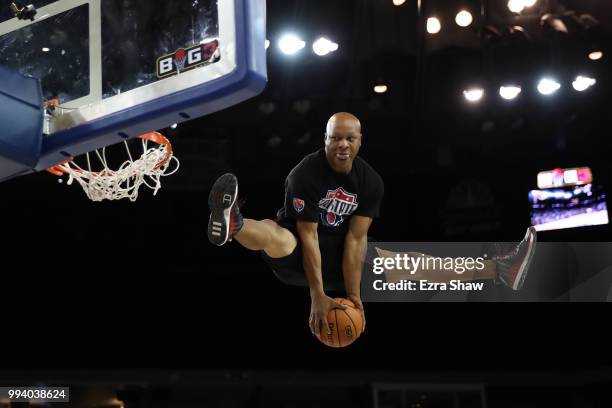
267	44
398	2
380	88
433	25
548	86
595	55
518	35
517	6
464	18
509	92
553	23
290	44
582	83
473	95
323	46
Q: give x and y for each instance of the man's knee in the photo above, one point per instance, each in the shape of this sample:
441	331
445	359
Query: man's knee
271	223
283	241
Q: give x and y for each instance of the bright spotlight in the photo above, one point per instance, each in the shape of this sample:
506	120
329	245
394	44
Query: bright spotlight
596	55
46	49
509	92
267	44
290	44
380	88
323	46
516	6
174	126
464	18
433	25
473	94
582	83
548	86
398	2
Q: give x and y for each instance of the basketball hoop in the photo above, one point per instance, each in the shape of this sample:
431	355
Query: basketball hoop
125	182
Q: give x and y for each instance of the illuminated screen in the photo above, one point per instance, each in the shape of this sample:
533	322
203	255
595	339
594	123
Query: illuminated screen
568	207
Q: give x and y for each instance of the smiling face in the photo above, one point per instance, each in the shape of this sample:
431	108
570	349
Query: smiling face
342	141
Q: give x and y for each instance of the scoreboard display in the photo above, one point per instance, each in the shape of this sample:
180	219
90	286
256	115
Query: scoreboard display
565	177
567	198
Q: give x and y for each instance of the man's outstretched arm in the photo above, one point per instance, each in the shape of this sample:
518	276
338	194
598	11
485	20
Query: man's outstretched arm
355	245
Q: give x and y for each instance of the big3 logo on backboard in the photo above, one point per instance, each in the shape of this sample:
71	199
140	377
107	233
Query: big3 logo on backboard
336	204
185	59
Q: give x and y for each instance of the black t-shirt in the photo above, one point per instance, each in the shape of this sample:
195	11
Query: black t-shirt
316	193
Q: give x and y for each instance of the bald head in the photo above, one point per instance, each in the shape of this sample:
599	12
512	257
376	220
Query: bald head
342	141
344	120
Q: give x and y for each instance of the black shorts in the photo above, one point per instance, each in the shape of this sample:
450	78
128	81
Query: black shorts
290	269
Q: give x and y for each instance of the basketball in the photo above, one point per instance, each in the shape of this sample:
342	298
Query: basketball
346	325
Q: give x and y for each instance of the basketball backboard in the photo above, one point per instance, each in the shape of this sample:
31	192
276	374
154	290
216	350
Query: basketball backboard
119	68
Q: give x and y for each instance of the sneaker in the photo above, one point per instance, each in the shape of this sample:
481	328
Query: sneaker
225	218
512	266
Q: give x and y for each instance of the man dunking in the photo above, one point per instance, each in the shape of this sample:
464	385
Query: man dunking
319	237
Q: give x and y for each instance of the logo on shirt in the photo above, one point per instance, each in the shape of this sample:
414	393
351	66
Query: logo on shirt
336	204
298	205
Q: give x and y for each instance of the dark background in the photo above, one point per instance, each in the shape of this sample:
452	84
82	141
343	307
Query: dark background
120	285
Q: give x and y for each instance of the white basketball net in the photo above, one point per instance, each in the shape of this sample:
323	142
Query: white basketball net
125	182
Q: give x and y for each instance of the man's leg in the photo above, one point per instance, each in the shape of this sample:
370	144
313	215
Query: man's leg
510	267
226	223
267	236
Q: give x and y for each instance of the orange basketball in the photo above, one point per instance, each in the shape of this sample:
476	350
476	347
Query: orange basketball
346	325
